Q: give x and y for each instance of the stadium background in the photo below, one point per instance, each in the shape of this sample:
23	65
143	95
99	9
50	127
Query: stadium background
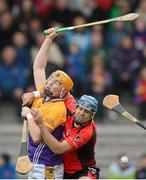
103	59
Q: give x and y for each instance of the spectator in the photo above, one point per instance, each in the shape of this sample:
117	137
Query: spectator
34	27
115	35
24	59
140	92
143	58
3	6
27	10
97	46
61	14
120	169
7	169
82	36
20	43
120	7
141	171
57	59
75	67
101	10
13	78
140	34
7	28
125	64
87	8
44	7
101	82
55	55
141	10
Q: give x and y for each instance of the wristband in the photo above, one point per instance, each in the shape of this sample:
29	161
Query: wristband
29	116
37	94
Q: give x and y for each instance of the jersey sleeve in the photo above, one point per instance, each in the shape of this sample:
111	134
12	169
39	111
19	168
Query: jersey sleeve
78	140
71	103
55	117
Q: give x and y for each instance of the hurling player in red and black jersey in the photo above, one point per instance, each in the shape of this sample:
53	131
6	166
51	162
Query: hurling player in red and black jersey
78	146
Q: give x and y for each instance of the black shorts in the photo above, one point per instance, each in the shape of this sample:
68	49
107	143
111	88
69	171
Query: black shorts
91	172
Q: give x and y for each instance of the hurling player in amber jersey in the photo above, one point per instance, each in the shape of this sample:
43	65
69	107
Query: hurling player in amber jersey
79	138
47	165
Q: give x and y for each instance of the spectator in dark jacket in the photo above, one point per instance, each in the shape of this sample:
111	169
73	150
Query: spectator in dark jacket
125	64
7	169
13	78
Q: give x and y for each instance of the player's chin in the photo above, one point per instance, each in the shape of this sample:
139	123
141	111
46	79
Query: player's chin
77	120
47	92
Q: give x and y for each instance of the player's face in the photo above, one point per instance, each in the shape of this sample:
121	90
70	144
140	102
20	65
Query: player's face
53	86
82	115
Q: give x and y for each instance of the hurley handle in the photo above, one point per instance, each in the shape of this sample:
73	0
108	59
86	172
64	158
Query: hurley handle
141	124
59	30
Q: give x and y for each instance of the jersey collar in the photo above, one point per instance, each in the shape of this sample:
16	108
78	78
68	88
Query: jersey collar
47	99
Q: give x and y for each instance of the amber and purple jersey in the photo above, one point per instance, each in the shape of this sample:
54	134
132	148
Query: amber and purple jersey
54	113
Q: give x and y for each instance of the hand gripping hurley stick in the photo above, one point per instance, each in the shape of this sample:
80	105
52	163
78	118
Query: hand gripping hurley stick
112	102
127	17
24	165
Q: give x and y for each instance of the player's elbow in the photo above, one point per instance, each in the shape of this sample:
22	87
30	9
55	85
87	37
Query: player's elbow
36	140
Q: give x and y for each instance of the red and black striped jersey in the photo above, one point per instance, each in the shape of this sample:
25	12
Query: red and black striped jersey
82	141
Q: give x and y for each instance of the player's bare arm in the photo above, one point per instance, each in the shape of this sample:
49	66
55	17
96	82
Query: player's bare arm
42	58
55	146
33	128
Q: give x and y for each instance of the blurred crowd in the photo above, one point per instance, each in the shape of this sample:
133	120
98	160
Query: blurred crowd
103	59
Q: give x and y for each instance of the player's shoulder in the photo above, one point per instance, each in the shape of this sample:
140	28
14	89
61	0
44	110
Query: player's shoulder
90	128
95	128
71	103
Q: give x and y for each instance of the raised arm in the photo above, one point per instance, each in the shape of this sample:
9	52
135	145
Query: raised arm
41	59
